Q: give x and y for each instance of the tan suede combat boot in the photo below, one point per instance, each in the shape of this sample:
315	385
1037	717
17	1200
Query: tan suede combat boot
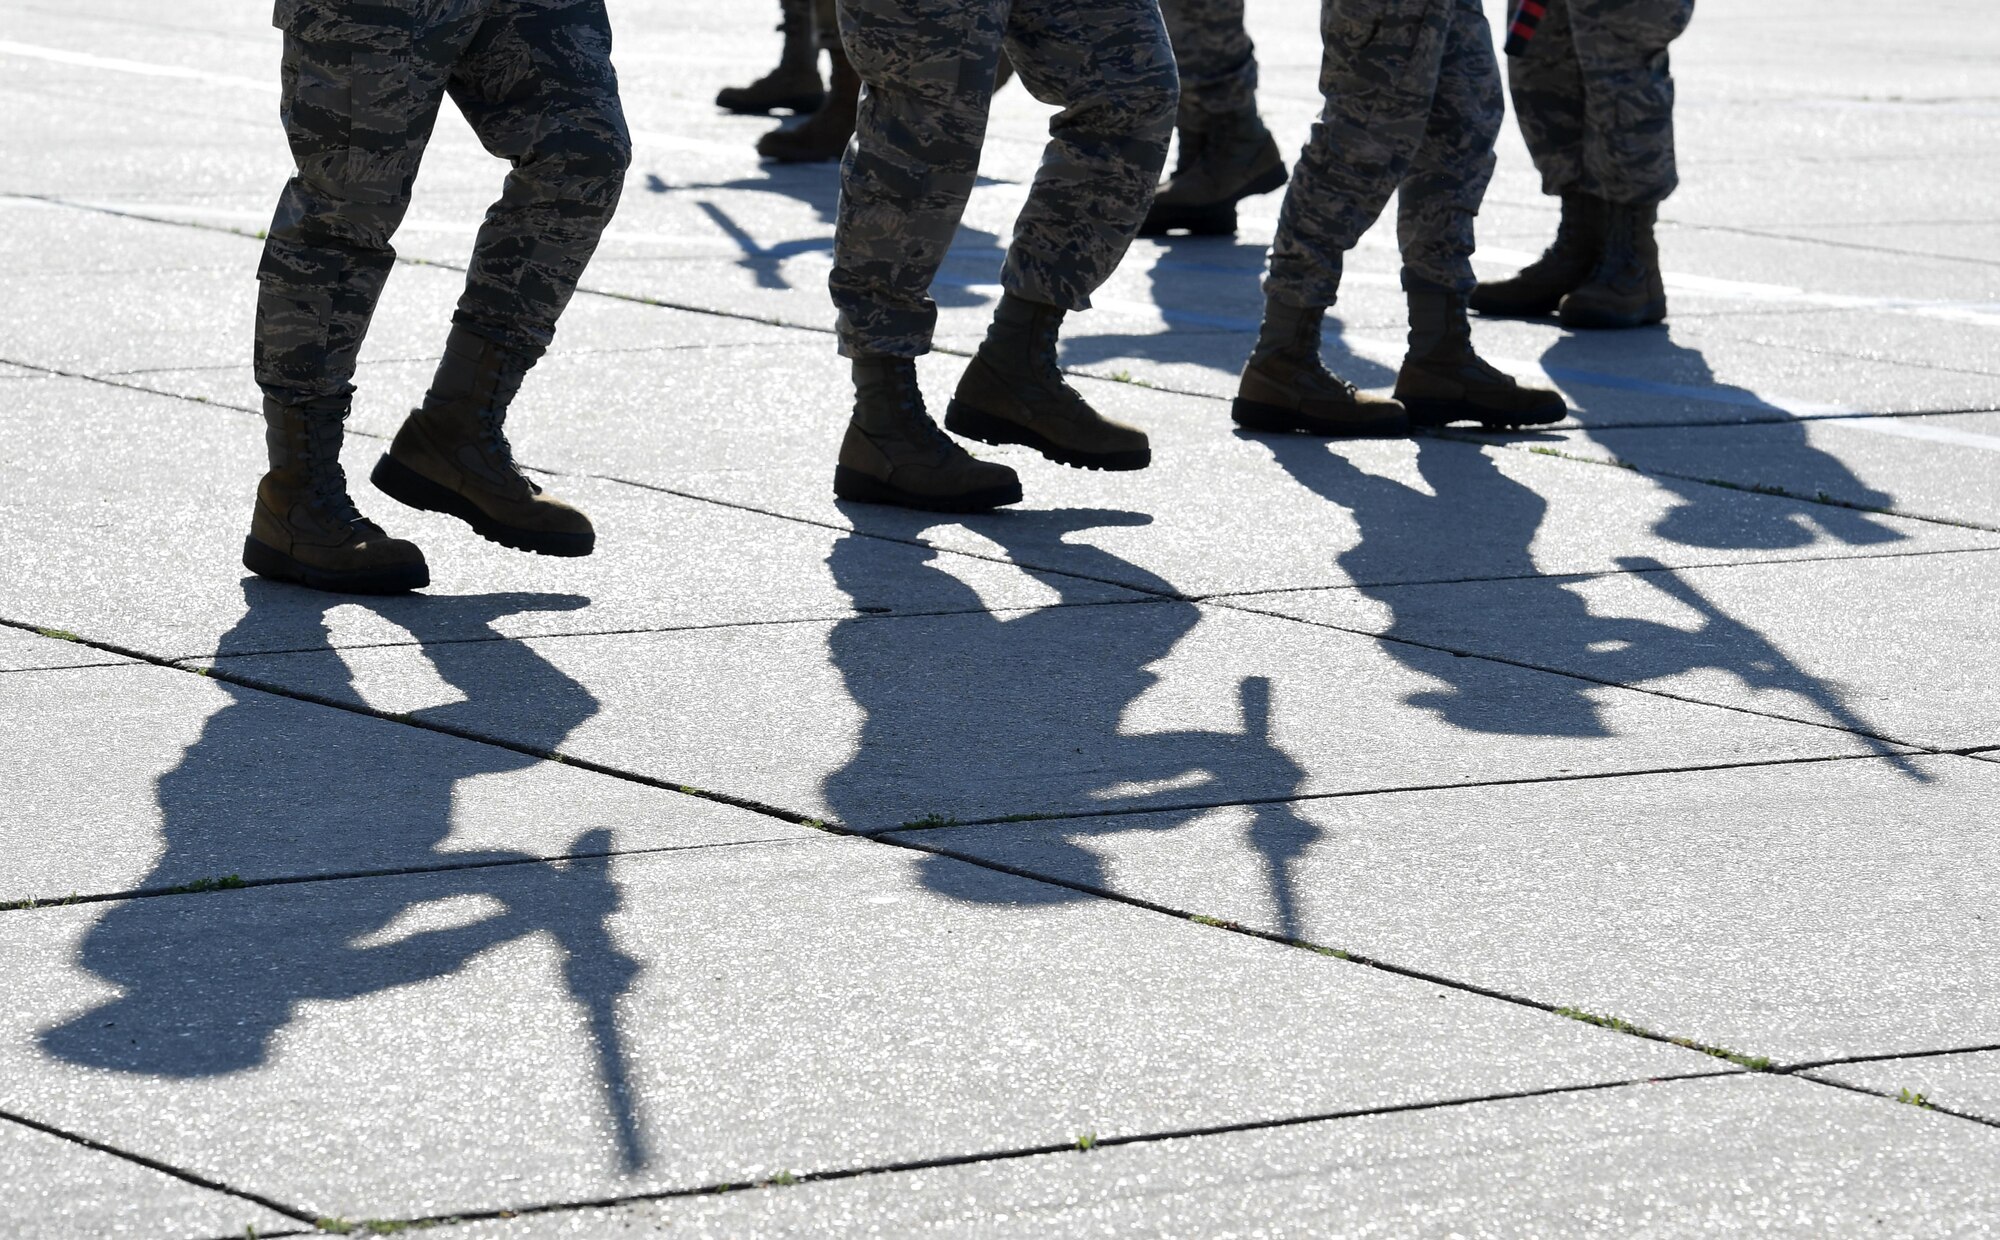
1537	289
793	86
1625	289
825	134
452	456
1223	160
895	454
1444	381
305	528
1287	387
1013	392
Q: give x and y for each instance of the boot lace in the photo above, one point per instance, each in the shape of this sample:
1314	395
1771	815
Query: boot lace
1621	251
326	481
909	397
493	438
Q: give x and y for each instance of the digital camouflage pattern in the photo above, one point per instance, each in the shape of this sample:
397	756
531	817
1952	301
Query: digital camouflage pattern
929	66
362	84
1413	102
1218	62
1596	100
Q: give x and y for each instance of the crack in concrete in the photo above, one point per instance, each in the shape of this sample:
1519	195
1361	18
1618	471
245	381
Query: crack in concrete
1913	746
154	1164
235	883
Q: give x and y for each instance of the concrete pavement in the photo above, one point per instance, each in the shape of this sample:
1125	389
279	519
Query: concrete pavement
1573	831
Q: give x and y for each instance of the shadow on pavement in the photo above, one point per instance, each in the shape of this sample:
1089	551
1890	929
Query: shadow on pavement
1782	447
1540	620
982	699
206	984
818	186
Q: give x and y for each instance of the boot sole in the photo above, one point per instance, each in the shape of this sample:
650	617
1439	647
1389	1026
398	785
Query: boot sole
267	561
1216	219
800	157
1488	310
1430	412
1591	320
852	484
797	105
963	419
1256	415
406	486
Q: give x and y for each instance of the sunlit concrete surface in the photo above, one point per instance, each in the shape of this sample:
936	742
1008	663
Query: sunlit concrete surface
1588	830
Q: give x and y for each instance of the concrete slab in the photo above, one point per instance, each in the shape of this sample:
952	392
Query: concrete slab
22	651
175	304
121	779
64	1191
1798	912
1678	1159
1833	642
141	465
1218	511
1966	1083
1937	468
876	722
703	1017
1190	329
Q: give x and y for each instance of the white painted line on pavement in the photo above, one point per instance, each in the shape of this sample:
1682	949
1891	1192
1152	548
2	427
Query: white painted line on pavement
1903	428
142	68
1976	313
269	86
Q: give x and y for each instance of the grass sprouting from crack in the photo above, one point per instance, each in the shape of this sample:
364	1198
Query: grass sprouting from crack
61	635
930	820
225	882
10	906
1086	1141
1559	454
377	1226
1755	1063
1126	376
1912	1098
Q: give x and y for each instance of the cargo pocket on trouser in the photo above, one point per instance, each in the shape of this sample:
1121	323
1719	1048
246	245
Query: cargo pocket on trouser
1381	57
358	107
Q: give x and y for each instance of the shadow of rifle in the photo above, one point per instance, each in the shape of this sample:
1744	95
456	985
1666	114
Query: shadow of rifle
1764	665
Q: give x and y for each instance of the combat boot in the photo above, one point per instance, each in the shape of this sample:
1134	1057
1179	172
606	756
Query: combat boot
825	134
305	527
1625	290
895	454
1013	392
452	456
1444	381
793	86
1223	159
1540	286
1287	387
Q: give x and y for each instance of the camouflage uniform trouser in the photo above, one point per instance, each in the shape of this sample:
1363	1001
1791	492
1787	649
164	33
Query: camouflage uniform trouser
1595	98
928	66
362	84
1413	103
1218	62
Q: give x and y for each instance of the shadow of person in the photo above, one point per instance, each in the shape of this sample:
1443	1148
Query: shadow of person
205	983
1209	293
1781	446
1025	711
972	262
1423	550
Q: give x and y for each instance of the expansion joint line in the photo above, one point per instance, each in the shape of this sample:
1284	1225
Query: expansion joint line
1742	1061
1596	680
179	1173
822	330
